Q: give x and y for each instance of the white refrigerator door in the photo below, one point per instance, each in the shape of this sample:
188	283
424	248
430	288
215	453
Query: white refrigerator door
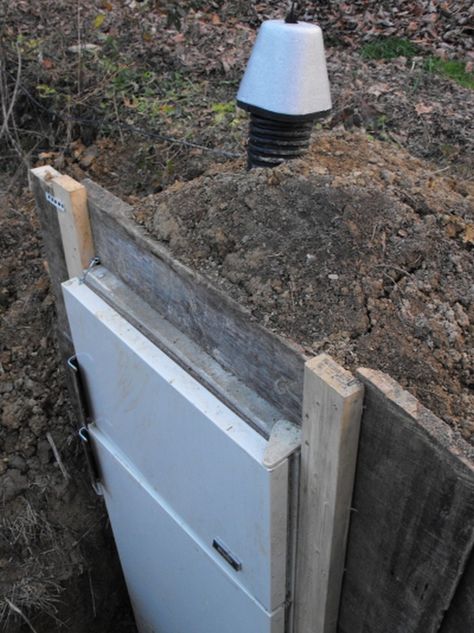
200	523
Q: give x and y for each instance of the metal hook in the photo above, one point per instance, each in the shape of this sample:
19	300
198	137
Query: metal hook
94	262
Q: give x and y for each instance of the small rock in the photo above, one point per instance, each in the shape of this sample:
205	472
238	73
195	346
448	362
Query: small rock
12	484
18	463
387	176
6	387
10	417
43	451
461	316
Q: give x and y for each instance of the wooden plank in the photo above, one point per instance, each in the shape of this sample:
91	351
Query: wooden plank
332	408
41	184
412	530
41	180
263	361
460	616
74	224
256	411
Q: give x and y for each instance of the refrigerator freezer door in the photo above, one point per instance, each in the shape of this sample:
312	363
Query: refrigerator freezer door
185	487
174	584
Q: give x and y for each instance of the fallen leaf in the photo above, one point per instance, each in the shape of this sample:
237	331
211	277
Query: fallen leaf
215	19
99	20
423	108
47	63
46	155
468	237
78	48
378	89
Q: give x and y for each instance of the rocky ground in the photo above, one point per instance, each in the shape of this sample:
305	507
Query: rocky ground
101	85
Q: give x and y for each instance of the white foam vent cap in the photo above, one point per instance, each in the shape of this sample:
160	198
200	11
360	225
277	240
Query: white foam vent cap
286	72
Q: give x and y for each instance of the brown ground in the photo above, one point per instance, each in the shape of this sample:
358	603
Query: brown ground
359	250
57	561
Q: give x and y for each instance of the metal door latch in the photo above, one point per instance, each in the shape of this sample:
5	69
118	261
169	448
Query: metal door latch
226	555
85	420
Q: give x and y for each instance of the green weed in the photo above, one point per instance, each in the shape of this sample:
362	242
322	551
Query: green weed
452	68
45	91
222	110
389	48
392	47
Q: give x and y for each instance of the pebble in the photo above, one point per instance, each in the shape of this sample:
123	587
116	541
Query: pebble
43	451
17	462
12	483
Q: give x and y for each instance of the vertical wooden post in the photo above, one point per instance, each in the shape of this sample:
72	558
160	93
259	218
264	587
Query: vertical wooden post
332	407
74	224
61	204
69	198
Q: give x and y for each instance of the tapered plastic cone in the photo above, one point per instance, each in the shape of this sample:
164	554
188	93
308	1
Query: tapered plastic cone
286	75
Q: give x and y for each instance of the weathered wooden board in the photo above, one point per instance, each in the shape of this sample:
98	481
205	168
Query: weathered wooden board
46	180
256	411
41	184
460	615
270	366
74	224
412	529
332	407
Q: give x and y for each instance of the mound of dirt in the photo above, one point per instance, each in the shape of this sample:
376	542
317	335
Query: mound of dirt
359	250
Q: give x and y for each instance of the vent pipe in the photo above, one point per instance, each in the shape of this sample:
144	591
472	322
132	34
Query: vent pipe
285	87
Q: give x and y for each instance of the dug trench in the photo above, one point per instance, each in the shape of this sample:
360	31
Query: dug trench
359	250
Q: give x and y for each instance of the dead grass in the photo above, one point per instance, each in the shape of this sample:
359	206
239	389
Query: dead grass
28	535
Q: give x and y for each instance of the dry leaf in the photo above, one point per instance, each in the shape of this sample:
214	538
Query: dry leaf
468	237
423	108
378	89
99	20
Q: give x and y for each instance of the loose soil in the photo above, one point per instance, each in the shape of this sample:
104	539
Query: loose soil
58	565
359	250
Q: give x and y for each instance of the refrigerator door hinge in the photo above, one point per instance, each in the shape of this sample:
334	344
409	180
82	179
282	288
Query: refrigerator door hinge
85	420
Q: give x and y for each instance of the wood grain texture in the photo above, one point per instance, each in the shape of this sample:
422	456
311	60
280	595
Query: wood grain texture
332	406
41	179
266	363
74	224
460	615
412	529
256	411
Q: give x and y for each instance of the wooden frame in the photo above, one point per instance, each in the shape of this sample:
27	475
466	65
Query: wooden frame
411	540
332	407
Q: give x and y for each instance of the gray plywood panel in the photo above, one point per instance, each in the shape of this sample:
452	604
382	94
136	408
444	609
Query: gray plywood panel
412	526
266	363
